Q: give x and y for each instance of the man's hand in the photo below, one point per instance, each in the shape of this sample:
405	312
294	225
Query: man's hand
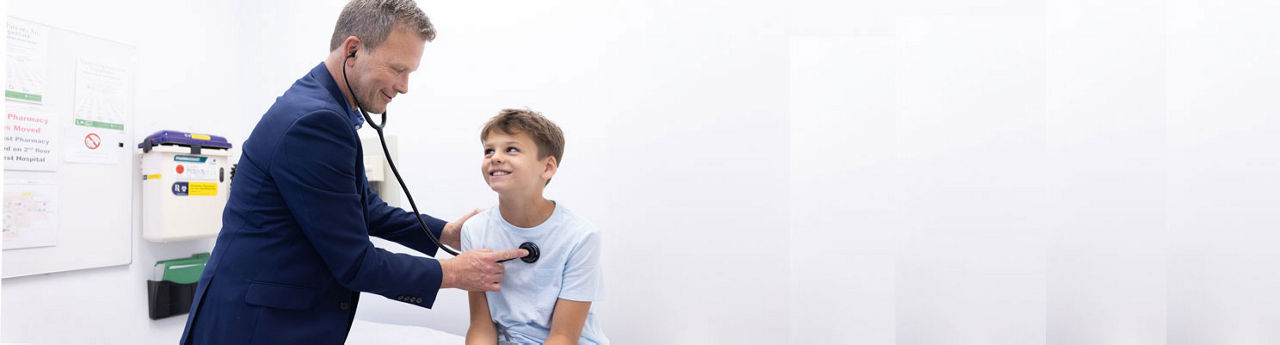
476	270
451	235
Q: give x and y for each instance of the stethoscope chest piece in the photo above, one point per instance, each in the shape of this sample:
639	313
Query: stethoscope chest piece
533	252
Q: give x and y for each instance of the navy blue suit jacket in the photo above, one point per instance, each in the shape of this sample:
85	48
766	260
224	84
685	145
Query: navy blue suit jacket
294	251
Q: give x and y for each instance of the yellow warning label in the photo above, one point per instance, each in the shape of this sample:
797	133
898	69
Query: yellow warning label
199	136
151	177
203	189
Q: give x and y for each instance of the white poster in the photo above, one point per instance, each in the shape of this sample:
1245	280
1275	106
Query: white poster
91	145
102	102
30	214
26	56
30	139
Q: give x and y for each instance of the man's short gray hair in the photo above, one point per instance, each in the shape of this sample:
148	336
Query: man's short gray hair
371	21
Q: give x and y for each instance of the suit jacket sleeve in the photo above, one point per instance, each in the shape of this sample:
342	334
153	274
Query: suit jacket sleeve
397	225
316	172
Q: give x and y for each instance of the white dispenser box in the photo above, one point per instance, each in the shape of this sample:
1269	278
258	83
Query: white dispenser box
186	179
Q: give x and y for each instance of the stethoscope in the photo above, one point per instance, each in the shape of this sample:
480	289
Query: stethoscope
529	246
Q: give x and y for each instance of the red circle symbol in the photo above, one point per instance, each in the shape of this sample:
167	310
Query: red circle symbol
180	168
92	141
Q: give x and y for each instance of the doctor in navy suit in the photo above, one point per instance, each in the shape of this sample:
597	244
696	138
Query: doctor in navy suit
294	251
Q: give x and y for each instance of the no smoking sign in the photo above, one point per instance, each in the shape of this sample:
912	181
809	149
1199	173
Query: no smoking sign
92	141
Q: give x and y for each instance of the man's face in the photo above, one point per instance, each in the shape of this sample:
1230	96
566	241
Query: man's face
511	163
384	72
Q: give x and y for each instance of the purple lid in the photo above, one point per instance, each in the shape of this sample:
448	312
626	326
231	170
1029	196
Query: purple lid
183	139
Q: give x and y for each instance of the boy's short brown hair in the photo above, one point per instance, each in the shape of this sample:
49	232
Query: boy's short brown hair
545	134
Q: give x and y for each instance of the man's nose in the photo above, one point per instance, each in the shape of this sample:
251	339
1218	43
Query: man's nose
403	85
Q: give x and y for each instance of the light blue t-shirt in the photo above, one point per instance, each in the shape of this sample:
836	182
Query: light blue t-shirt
568	268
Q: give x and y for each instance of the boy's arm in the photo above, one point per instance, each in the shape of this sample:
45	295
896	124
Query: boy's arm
566	321
482	330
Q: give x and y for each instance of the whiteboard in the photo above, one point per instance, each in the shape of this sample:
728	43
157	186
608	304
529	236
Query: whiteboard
81	90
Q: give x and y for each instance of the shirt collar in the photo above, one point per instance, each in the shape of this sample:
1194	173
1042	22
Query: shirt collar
321	73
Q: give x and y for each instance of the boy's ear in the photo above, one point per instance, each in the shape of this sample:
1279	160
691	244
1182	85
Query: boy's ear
549	167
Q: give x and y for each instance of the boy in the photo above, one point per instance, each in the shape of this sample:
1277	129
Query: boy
549	300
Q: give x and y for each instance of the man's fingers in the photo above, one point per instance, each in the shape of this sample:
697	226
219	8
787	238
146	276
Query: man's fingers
489	286
468	216
510	254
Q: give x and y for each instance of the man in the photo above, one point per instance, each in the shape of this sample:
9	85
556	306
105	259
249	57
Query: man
294	251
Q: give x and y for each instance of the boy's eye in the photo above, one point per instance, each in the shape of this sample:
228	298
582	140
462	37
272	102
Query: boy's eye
512	149
488	152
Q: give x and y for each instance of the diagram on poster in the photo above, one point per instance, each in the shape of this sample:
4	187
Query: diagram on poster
26	56
30	214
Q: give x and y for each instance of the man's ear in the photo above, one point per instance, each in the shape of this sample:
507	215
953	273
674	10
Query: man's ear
350	46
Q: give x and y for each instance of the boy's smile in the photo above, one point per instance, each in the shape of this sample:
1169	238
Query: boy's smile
496	175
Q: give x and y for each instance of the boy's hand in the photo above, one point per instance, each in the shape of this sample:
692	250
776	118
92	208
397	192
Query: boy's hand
476	270
451	235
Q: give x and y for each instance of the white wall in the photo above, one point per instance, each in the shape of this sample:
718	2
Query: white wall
1064	172
184	78
868	172
1222	132
1107	143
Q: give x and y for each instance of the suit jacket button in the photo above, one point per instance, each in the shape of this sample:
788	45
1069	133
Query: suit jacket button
344	305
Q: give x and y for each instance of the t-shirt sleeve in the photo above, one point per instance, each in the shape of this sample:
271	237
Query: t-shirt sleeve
467	232
583	278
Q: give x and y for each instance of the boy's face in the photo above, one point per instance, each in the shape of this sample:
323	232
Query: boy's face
511	164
